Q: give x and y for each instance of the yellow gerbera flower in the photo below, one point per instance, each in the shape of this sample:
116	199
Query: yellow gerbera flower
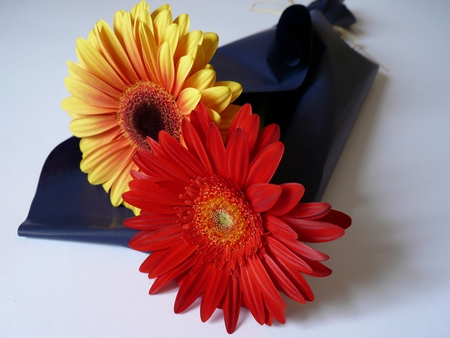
130	82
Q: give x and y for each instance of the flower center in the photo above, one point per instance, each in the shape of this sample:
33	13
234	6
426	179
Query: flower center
222	220
144	110
223	217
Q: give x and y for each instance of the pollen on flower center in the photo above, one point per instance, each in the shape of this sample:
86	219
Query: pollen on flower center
222	215
222	220
144	110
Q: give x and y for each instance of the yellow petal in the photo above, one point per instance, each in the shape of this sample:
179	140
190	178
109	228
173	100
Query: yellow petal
162	20
209	45
114	53
75	108
139	8
92	125
166	69
236	88
216	98
184	22
94	62
118	25
142	16
188	100
201	80
93	81
199	59
149	51
88	94
131	47
171	35
88	144
120	183
103	162
215	116
160	9
188	42
92	40
183	68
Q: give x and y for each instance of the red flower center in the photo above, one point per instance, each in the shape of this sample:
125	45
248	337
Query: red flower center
221	221
145	109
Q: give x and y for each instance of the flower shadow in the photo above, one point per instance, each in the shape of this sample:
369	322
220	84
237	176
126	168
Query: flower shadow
368	254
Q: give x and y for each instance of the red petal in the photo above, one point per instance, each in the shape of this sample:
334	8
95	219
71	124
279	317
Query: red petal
268	135
191	287
286	255
154	193
278	228
250	126
195	145
156	240
303	250
252	295
173	257
216	150
339	218
273	301
162	280
309	210
291	195
232	304
265	164
151	221
244	112
150	261
314	231
172	185
200	120
282	282
156	166
154	145
149	206
180	156
319	270
237	157
215	289
263	196
296	278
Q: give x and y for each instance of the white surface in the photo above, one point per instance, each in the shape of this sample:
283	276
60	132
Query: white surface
391	270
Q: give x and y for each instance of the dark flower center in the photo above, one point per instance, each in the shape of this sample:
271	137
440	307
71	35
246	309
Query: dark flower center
144	110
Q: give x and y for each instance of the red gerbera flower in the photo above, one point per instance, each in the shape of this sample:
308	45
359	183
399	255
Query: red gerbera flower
215	224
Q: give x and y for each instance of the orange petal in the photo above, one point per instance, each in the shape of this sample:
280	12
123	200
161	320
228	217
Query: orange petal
149	50
93	61
129	44
92	125
88	94
103	162
166	69
115	53
76	71
76	107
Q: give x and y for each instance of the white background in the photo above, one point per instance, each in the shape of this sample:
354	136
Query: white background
391	270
